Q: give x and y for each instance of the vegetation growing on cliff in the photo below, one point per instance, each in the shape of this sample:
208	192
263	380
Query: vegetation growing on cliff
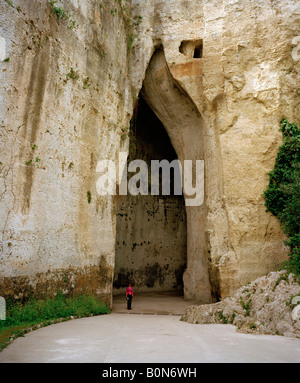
283	193
62	14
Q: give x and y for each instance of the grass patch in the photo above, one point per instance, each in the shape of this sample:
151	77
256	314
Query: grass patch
282	277
22	318
62	14
246	306
222	317
72	74
131	38
89	196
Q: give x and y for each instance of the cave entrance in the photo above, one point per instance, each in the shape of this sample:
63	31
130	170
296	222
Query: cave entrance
151	242
167	233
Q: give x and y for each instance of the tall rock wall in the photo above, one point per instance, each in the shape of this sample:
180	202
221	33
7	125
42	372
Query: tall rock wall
67	91
65	95
246	80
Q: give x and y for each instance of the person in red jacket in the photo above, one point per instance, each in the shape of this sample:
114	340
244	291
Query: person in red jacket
129	296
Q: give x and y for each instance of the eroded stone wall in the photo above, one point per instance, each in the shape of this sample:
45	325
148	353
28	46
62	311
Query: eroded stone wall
245	82
58	122
65	95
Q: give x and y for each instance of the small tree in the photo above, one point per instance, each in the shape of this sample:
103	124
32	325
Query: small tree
283	193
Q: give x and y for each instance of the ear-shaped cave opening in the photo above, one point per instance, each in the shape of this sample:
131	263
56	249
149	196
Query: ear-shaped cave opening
151	242
160	236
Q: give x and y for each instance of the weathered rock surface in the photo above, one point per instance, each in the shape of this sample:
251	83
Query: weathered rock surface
263	306
67	92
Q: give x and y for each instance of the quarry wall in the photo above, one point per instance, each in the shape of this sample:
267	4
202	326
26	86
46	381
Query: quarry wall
68	88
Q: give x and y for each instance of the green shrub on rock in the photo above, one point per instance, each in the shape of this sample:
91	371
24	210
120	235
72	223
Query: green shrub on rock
283	193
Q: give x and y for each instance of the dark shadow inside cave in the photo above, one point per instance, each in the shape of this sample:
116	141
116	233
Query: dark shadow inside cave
151	240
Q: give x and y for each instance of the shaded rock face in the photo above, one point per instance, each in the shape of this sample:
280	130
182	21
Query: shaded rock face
219	75
151	229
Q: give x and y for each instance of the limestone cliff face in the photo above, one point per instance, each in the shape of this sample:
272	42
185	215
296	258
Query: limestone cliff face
245	80
67	94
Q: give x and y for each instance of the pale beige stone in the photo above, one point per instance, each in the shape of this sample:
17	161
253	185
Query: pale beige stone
245	82
262	306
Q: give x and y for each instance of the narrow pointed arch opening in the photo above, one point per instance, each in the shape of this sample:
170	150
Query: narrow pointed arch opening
171	234
151	243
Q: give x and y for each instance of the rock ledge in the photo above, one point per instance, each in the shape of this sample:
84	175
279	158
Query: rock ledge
264	306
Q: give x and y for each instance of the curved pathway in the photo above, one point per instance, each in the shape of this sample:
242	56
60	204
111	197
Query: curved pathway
146	335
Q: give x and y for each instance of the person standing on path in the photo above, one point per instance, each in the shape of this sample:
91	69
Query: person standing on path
129	296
